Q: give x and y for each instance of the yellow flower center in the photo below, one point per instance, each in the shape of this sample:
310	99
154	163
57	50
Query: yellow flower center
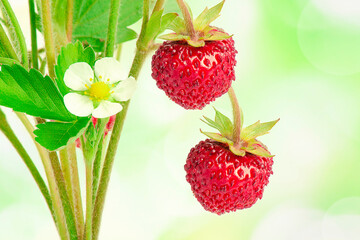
98	91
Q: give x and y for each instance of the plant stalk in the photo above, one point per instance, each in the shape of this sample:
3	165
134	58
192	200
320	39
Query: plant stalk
139	59
76	191
113	21
8	132
69	19
34	50
17	33
137	64
158	6
48	35
89	201
60	182
188	19
57	213
6	45
237	118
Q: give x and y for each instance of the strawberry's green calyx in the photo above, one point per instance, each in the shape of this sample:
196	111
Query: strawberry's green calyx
198	31
247	139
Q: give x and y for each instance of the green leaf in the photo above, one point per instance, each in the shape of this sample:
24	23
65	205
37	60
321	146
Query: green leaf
54	135
171	6
71	53
91	19
31	93
208	16
59	13
257	129
153	27
166	20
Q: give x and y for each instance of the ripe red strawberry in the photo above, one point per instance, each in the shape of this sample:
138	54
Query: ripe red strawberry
226	175
224	182
196	64
194	76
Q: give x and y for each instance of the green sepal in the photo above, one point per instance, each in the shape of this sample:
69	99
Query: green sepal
166	21
208	16
259	150
55	135
216	35
222	123
201	25
217	137
237	151
178	26
197	43
174	37
257	129
248	142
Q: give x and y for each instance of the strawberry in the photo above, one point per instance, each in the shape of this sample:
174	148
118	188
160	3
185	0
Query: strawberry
224	182
195	66
225	177
194	76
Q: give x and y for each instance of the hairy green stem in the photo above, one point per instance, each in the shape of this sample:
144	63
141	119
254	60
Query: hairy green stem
112	29
17	33
118	52
76	191
158	6
89	202
8	132
91	148
48	35
97	168
6	45
34	50
60	182
188	19
146	9
237	118
69	19
110	155
65	167
57	213
137	64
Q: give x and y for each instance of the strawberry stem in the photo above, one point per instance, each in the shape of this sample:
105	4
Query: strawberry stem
237	118
188	19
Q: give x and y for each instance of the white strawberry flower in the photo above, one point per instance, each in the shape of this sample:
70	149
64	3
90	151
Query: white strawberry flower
99	91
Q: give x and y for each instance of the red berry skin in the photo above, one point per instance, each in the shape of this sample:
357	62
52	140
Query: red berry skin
222	181
194	76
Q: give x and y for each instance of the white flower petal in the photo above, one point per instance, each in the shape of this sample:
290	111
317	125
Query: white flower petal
107	109
124	90
79	105
109	69
78	75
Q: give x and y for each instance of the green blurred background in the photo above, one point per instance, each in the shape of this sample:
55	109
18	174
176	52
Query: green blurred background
298	60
